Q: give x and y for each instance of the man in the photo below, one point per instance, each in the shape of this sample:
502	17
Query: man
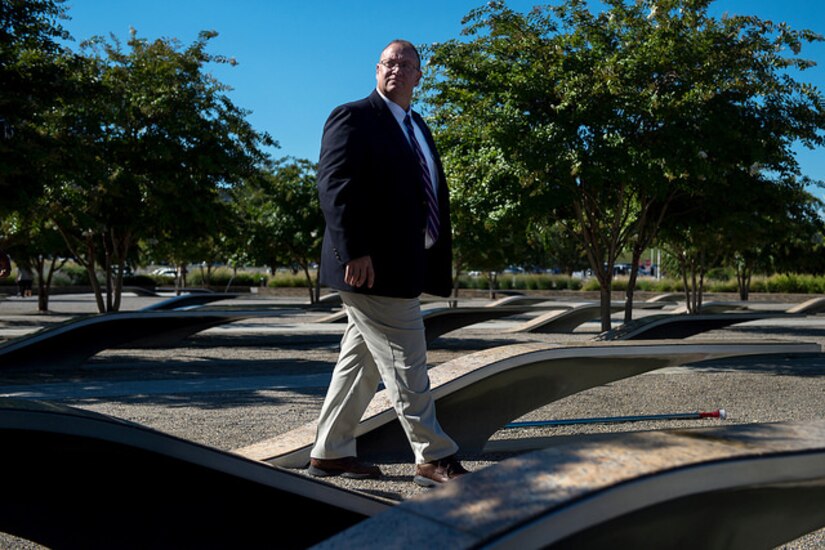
5	264
387	240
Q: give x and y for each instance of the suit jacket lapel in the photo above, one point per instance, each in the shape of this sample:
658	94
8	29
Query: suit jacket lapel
386	118
388	122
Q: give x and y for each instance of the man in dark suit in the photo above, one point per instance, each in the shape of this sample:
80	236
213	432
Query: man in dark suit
387	240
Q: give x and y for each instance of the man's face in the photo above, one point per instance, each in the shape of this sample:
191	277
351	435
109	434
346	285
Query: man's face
397	73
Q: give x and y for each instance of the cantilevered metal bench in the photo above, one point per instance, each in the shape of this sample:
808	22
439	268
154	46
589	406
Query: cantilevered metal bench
678	324
441	320
520	299
185	301
479	393
713	307
737	488
72	342
814	306
76	479
564	320
669	326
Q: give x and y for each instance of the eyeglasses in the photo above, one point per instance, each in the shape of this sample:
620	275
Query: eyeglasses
404	67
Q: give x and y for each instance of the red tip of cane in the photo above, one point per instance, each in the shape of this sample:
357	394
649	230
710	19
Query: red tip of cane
721	413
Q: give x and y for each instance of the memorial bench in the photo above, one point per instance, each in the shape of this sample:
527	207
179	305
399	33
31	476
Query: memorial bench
186	301
681	325
734	488
77	479
479	393
438	321
72	342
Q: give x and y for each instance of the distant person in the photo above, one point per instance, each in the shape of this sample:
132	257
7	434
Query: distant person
5	264
387	240
25	279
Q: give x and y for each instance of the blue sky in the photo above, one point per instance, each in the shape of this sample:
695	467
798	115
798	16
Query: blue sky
297	59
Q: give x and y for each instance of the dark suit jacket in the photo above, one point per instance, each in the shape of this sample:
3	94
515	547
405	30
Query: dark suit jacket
372	195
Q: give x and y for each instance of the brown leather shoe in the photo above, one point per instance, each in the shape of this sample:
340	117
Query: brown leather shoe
349	467
440	471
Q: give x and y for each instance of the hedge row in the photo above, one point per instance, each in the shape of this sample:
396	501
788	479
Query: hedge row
780	283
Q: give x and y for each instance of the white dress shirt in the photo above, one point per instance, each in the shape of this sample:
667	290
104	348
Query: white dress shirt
399	113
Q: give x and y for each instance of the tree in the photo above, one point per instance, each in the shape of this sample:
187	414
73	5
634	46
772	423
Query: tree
33	70
282	219
608	117
33	241
148	155
488	232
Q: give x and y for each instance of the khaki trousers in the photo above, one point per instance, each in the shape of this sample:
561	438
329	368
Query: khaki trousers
384	340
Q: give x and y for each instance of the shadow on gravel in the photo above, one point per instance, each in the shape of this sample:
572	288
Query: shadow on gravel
803	365
297	398
289	341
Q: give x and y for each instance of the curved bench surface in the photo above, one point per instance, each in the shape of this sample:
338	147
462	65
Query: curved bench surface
666	297
331	299
566	320
713	307
439	321
680	325
814	306
479	393
185	301
519	299
72	342
739	487
141	487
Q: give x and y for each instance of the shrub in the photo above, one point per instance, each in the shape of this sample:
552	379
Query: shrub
71	274
224	276
591	284
287	280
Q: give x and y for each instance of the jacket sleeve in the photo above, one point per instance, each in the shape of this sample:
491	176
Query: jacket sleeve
342	186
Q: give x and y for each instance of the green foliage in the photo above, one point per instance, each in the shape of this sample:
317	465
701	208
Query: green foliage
281	217
148	151
522	281
603	120
223	276
287	279
795	283
72	274
34	75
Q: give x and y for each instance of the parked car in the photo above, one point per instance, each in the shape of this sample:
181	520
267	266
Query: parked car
165	271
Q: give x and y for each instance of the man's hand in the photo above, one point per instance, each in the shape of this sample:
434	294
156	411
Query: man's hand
359	271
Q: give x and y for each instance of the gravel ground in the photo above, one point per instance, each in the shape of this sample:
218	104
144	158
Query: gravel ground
761	389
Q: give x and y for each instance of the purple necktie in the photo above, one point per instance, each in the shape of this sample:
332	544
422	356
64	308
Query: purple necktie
432	201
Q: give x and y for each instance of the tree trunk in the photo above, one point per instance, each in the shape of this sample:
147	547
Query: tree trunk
631	285
318	283
605	297
743	281
305	267
90	271
491	280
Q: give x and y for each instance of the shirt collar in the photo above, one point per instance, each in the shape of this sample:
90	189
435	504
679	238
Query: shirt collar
397	111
